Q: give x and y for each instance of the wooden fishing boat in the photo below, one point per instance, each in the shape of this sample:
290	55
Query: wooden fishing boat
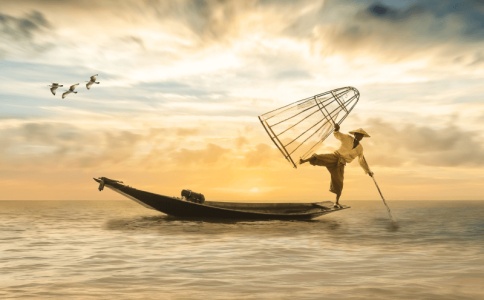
193	205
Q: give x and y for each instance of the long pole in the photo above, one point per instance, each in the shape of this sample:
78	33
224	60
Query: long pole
379	191
384	202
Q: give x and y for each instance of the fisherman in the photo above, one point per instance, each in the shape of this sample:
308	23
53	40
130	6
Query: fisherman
335	162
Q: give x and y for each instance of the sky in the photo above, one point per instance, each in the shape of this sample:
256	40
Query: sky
182	84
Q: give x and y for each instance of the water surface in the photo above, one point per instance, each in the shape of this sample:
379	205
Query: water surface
121	250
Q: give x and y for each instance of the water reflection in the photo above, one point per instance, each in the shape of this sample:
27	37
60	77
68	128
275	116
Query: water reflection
175	225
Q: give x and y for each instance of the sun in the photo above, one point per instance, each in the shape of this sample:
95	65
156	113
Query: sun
254	190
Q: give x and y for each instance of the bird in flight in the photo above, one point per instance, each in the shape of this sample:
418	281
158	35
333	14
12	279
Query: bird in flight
71	90
54	87
92	81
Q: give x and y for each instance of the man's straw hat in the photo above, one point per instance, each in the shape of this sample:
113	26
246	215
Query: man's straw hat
360	130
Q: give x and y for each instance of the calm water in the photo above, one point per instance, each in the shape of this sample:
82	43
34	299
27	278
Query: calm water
121	250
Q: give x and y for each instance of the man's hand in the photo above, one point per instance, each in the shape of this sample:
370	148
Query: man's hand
336	127
370	173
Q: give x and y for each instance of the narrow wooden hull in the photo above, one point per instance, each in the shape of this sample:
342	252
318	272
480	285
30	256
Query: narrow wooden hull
181	208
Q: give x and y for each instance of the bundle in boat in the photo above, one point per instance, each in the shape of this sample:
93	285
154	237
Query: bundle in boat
299	128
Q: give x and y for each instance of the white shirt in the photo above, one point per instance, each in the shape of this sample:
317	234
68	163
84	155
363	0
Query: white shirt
349	153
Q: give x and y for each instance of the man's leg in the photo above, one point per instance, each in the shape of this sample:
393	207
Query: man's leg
337	178
336	170
302	161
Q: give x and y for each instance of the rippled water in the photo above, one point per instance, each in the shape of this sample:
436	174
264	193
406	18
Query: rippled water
121	250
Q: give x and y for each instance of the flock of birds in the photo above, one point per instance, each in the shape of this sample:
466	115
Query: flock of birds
54	86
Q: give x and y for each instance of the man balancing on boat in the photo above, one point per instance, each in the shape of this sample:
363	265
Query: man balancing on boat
335	162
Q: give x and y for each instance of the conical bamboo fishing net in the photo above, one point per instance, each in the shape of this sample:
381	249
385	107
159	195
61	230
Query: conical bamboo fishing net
299	128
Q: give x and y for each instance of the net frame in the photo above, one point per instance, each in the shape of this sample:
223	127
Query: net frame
298	128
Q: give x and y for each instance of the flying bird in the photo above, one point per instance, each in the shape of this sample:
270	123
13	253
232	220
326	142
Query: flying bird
71	90
92	81
54	87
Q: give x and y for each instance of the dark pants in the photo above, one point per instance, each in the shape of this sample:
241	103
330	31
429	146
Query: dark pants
336	167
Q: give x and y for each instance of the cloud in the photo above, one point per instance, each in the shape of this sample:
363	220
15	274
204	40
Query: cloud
418	145
209	20
182	84
261	155
434	20
211	154
241	141
438	30
23	33
224	21
23	27
62	145
391	31
381	11
184	132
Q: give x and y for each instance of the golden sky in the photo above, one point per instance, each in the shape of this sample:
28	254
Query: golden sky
183	82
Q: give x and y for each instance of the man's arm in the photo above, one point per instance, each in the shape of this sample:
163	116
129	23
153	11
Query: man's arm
364	165
338	135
